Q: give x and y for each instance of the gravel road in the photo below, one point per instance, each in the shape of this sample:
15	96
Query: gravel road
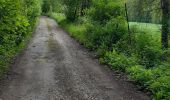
55	67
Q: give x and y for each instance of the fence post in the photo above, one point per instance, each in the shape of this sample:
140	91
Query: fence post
127	18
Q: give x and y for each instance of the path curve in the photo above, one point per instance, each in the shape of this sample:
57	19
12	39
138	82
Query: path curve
56	67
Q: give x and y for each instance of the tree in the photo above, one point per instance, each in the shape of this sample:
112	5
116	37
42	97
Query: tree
165	22
144	11
46	6
71	8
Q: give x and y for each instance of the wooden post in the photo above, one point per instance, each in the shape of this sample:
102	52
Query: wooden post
127	18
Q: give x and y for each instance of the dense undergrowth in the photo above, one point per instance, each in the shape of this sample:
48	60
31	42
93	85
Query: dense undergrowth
104	30
101	26
17	21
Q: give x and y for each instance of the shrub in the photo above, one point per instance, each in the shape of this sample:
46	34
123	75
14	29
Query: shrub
140	74
32	10
160	88
58	17
156	80
102	11
119	61
46	6
108	34
78	31
147	49
17	22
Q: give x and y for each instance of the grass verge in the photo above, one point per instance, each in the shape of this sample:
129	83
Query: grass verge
155	79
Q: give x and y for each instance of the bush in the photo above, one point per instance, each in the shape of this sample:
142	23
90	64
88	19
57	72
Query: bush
140	74
102	11
108	34
78	31
156	80
147	49
16	26
119	61
46	7
160	88
58	17
32	10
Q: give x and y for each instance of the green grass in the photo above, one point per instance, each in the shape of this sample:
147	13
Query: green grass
58	16
152	29
155	79
75	30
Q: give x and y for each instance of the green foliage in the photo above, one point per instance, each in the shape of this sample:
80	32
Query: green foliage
17	19
52	6
32	8
71	10
157	80
103	28
107	34
144	11
148	50
102	11
59	17
118	60
46	6
77	31
154	30
160	87
140	74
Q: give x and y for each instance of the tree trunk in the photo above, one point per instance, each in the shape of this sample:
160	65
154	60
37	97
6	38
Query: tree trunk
139	10
165	22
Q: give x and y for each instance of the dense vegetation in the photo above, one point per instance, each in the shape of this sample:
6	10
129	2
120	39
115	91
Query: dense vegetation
17	21
140	51
131	38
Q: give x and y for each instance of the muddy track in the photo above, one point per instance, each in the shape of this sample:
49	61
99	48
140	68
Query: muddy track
56	67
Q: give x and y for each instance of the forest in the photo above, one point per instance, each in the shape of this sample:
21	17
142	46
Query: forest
131	36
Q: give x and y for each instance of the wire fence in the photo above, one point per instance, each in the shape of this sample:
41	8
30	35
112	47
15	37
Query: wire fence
145	18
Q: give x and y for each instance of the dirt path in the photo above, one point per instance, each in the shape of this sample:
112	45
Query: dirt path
55	67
